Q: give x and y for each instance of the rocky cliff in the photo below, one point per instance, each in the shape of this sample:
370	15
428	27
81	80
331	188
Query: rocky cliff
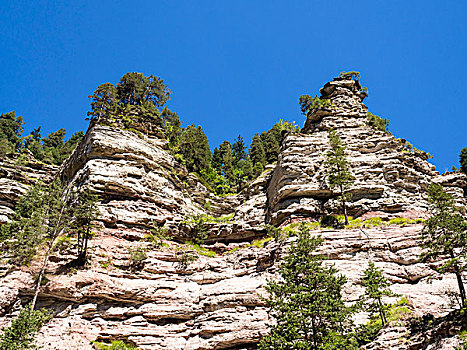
214	302
15	178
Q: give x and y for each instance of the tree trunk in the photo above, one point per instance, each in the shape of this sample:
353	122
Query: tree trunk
344	207
381	312
41	274
458	274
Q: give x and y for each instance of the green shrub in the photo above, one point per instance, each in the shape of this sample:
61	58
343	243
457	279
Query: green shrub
197	226
377	122
201	250
185	258
354	223
372	222
308	103
462	341
20	334
395	312
292	229
137	257
275	233
116	345
350	75
220	219
157	236
399	221
259	243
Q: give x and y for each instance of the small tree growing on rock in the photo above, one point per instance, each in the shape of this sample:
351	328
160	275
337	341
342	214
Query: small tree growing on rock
337	170
445	235
307	301
20	333
376	286
85	212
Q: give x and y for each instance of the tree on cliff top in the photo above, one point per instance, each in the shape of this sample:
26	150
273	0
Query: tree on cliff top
11	128
463	159
307	301
445	236
133	89
194	148
337	170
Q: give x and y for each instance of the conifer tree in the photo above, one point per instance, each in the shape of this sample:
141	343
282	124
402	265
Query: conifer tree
463	160
271	143
225	151
84	213
337	169
20	333
11	127
40	218
104	101
376	286
257	153
445	235
194	148
239	149
306	301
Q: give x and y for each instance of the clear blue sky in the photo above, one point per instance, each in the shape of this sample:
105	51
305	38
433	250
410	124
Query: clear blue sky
239	66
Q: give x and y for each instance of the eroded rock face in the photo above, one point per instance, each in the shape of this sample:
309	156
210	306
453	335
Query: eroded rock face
213	303
136	178
16	179
390	179
141	183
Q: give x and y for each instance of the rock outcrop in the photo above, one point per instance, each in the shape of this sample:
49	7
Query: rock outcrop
214	302
390	178
15	179
141	183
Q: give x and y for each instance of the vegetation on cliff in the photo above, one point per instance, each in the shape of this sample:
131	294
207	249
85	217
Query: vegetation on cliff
307	301
339	176
445	236
50	150
137	103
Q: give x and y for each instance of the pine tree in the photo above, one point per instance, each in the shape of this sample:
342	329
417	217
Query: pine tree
104	102
271	143
337	169
257	153
85	212
194	148
463	160
306	301
225	151
11	128
239	149
42	216
376	286
216	161
20	333
445	235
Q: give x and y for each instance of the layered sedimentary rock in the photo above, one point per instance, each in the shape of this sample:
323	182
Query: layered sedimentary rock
213	303
15	179
140	183
390	177
167	302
